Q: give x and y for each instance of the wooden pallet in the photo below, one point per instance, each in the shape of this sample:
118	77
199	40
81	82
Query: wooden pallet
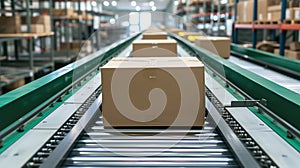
297	21
267	22
243	22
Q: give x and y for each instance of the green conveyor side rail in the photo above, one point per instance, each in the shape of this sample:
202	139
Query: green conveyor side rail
282	101
291	64
22	101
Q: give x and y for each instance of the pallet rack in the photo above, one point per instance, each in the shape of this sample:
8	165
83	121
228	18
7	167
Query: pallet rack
282	27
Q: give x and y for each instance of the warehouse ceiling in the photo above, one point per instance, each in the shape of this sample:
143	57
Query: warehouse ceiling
136	4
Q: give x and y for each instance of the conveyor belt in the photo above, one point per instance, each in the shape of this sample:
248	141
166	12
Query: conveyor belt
84	142
141	148
280	79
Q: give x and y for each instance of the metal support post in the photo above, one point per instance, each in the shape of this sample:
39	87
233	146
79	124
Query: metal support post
254	31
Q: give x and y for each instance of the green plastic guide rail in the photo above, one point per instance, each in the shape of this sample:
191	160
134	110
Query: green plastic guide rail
24	100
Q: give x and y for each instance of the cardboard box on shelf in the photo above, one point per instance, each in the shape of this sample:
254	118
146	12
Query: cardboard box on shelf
14	85
154	48
157	94
274	13
10	24
277	51
262	6
153	36
295	46
296	13
245	11
289	14
217	45
44	20
292	54
63	12
34	28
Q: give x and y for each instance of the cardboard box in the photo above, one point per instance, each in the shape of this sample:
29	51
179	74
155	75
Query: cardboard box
152	36
154	48
34	28
267	46
295	46
296	13
289	14
188	34
217	45
245	11
277	51
10	24
44	20
292	54
274	13
262	5
153	92
63	12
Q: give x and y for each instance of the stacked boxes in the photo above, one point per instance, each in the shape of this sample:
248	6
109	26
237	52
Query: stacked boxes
10	24
294	51
152	91
245	11
62	12
75	46
39	24
262	6
151	88
216	45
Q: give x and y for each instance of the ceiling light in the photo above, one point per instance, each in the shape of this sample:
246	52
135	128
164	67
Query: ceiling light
137	8
151	3
106	3
114	3
224	1
133	3
94	3
183	1
153	8
175	3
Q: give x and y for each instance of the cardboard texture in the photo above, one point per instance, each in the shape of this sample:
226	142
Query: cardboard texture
296	13
274	13
245	11
63	12
292	54
289	14
44	20
149	92
262	6
154	48
277	51
295	46
217	45
10	24
153	36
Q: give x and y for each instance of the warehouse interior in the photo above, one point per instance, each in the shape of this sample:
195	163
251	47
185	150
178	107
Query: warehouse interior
149	83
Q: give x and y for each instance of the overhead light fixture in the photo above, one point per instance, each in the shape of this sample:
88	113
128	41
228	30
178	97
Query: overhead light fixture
106	3
151	3
114	3
137	8
224	1
133	3
183	1
153	8
94	3
175	3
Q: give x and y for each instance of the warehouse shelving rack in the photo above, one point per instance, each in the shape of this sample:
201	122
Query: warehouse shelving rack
209	10
17	66
282	27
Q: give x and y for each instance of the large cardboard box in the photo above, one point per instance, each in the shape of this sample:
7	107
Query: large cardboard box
154	48
245	11
153	36
217	45
63	12
34	28
153	92
262	6
292	54
274	13
10	24
44	20
296	13
295	46
289	14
